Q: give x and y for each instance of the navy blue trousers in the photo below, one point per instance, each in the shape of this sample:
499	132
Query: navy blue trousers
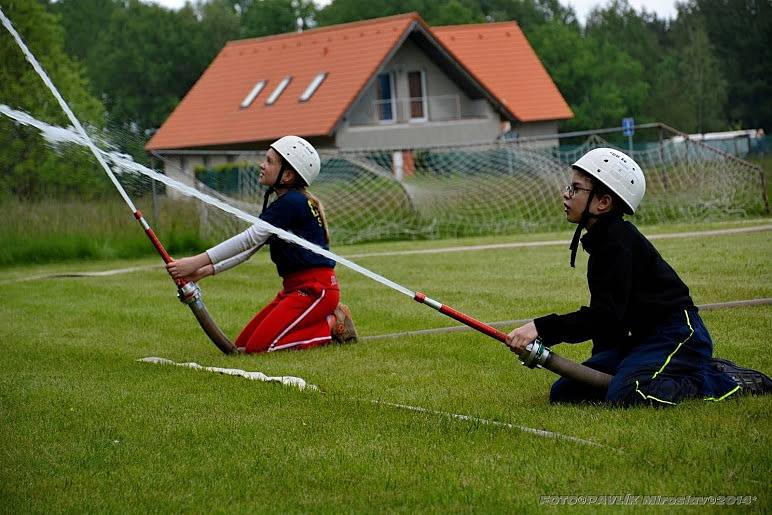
670	365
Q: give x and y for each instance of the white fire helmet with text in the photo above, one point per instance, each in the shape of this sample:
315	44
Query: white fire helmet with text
617	171
301	156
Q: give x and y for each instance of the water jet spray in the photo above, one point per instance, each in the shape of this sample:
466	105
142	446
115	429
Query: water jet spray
535	355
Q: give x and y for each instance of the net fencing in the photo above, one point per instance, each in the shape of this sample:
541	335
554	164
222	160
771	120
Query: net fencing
500	188
496	188
58	191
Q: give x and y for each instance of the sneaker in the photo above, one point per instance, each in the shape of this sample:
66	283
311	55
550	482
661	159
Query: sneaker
343	331
752	381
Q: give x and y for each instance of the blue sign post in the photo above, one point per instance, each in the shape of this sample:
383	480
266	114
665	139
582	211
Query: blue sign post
628	129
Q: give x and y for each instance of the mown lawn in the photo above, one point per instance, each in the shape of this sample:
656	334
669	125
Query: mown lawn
85	427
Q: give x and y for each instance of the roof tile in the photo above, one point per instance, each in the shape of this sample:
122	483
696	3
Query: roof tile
211	113
499	56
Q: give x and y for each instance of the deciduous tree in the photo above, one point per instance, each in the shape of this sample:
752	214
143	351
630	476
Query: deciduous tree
28	167
602	83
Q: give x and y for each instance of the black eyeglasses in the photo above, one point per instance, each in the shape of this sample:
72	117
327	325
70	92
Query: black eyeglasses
571	190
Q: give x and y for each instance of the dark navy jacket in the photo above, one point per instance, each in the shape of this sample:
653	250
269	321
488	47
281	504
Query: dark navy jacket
293	213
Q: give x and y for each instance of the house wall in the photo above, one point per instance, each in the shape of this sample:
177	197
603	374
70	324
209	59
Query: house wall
182	167
415	136
453	118
528	130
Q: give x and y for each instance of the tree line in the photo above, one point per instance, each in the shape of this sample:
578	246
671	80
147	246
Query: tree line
126	64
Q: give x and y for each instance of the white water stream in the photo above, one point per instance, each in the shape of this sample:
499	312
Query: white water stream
125	163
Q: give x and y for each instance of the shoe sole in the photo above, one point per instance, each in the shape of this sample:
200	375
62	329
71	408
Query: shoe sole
349	333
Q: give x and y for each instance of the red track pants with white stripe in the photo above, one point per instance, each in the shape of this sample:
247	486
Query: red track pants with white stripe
297	317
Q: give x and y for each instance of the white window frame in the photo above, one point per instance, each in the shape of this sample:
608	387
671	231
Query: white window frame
279	90
252	95
392	86
424	98
311	89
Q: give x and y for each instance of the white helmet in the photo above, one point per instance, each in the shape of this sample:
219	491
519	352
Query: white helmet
301	156
618	172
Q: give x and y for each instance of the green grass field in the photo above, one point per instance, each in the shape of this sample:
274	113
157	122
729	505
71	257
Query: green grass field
87	428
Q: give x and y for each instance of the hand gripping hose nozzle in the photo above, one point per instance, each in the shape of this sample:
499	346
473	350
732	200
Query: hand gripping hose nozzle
535	355
189	293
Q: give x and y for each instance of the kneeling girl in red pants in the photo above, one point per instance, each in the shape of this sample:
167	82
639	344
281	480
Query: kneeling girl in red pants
306	313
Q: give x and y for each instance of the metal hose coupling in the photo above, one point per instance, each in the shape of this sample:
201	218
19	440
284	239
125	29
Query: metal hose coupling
189	293
536	354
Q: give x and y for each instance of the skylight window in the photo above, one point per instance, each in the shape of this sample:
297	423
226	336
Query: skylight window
279	89
311	89
252	94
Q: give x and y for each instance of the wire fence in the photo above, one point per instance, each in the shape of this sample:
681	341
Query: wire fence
506	187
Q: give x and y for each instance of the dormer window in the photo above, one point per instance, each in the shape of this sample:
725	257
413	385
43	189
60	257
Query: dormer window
311	89
278	91
252	94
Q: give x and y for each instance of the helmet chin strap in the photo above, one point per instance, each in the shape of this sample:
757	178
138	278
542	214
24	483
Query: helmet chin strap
272	188
586	215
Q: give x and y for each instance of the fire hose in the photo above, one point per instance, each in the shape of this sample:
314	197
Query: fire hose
189	293
536	353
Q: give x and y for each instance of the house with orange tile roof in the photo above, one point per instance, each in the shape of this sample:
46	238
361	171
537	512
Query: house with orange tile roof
388	83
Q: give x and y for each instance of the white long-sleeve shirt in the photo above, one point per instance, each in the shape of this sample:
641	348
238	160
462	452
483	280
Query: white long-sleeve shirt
291	212
238	249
